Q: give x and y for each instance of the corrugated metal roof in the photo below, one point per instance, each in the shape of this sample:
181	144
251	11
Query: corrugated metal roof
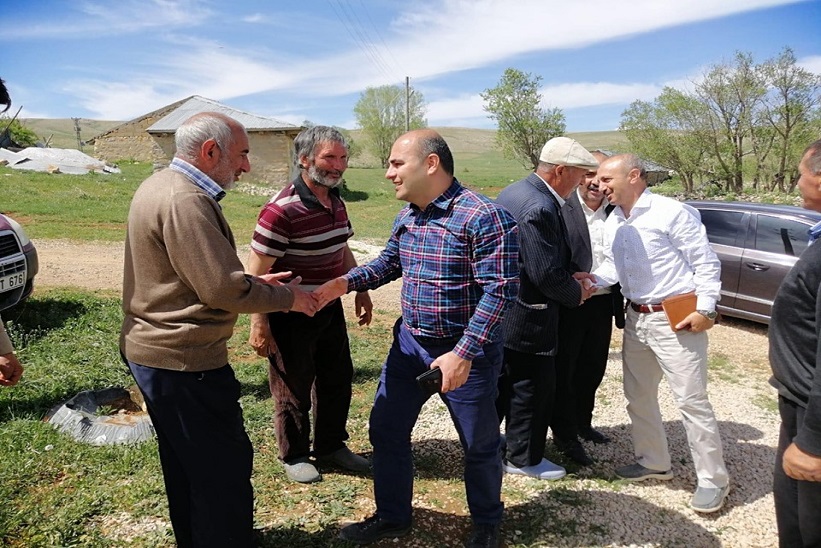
196	104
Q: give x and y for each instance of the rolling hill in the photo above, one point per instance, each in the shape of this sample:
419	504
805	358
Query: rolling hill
463	141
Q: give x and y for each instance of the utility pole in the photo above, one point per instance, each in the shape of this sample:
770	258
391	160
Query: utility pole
77	130
407	103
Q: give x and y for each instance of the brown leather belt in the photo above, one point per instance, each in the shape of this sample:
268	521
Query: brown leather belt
646	308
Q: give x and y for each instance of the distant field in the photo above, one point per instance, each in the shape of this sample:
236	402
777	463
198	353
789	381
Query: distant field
468	145
61	130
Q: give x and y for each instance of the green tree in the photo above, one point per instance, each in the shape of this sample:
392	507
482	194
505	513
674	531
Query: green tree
731	92
523	124
788	109
669	131
19	133
380	113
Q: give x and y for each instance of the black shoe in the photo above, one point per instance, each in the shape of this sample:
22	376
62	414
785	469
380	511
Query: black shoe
573	450
373	529
591	434
484	535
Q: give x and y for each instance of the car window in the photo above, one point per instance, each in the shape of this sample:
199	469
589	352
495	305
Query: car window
778	235
722	226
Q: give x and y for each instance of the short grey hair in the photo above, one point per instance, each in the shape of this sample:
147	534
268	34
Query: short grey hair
197	129
630	162
307	140
814	158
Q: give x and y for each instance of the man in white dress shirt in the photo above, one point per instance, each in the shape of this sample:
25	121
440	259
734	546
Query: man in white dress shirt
659	249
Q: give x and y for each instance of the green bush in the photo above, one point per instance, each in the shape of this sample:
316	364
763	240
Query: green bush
20	134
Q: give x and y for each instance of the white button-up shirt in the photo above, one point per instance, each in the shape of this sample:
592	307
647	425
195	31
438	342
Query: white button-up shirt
595	227
660	251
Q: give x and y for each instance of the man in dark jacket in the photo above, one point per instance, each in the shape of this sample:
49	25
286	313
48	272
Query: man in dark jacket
527	383
795	353
584	331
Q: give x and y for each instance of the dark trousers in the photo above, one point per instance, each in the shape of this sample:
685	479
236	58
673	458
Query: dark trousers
584	343
316	371
206	455
526	391
396	408
797	503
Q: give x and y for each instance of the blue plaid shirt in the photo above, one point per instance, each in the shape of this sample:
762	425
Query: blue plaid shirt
198	178
458	259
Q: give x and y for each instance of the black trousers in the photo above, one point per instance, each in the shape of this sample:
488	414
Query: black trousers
797	503
205	453
526	390
316	371
584	343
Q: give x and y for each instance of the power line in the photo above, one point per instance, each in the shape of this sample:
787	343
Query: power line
379	35
360	38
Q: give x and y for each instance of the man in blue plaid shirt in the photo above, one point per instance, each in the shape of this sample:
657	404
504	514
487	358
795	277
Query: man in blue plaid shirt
456	252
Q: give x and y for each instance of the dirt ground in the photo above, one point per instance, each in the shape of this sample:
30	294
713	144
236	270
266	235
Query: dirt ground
99	266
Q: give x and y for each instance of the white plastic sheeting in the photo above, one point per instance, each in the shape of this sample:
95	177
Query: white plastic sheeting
55	160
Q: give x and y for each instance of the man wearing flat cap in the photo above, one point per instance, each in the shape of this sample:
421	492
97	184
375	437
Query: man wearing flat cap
528	381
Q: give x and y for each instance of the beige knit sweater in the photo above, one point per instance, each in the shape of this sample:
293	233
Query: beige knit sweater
183	284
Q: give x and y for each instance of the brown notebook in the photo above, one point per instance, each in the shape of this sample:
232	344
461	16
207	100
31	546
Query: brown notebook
679	307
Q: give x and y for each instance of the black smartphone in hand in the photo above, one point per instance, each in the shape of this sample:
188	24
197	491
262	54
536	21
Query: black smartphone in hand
430	381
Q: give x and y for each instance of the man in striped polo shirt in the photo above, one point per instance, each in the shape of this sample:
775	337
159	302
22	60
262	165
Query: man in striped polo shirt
304	229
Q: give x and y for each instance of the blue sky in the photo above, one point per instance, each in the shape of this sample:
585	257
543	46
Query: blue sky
311	59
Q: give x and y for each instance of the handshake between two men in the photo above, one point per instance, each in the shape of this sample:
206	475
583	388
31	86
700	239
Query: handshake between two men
311	302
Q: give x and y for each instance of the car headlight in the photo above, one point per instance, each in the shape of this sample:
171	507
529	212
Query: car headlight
18	229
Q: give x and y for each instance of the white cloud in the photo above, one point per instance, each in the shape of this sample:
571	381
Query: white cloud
469	109
590	94
811	63
255	18
96	19
465	107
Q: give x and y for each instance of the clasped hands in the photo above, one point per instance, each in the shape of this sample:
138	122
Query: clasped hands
587	281
311	302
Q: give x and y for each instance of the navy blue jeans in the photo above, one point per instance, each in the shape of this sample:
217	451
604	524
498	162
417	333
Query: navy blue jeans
206	455
396	408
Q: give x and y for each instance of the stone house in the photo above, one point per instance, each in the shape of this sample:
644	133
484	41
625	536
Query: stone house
150	138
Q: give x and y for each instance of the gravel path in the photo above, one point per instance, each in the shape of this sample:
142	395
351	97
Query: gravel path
588	507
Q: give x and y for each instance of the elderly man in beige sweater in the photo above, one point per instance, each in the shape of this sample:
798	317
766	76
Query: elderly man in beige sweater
183	287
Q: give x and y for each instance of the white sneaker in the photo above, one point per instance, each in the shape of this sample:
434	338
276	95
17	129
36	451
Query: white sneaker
544	470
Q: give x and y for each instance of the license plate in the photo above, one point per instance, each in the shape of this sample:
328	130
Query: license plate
12	281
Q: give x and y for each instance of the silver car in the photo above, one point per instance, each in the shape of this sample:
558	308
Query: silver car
757	245
18	263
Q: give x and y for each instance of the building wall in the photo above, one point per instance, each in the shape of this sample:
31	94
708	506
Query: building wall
270	157
129	141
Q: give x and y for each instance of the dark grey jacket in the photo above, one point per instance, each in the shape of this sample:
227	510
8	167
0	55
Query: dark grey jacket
531	323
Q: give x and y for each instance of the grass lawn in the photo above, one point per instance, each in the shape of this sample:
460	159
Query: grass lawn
58	492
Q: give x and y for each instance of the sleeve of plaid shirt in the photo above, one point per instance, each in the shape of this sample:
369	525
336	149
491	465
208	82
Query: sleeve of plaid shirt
385	268
496	269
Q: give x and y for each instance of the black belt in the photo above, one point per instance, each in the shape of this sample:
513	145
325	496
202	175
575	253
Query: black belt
438	341
646	308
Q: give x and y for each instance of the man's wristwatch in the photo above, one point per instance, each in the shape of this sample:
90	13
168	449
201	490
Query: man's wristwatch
709	314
